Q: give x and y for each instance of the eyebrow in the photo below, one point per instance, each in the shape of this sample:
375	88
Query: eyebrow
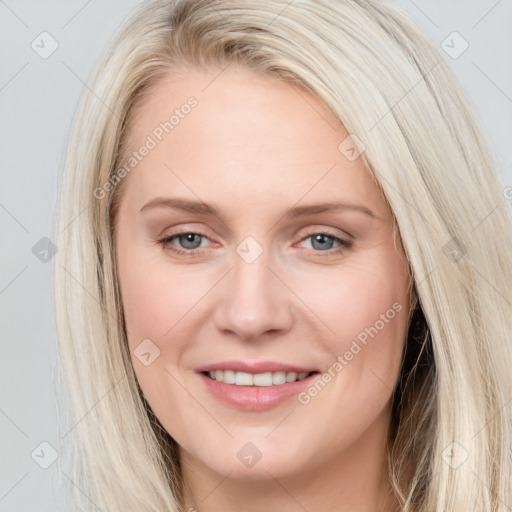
202	208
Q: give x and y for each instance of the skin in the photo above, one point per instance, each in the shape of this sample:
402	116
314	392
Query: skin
255	147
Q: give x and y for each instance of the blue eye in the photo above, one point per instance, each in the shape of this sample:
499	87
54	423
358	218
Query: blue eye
189	239
319	242
190	243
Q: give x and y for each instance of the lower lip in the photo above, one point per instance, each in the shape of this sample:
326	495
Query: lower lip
255	398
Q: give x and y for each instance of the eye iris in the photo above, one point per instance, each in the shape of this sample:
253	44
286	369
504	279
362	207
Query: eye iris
321	238
191	241
188	237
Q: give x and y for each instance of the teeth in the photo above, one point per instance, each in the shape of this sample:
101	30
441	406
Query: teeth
258	379
290	377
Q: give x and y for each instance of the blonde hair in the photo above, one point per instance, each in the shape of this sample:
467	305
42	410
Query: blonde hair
423	144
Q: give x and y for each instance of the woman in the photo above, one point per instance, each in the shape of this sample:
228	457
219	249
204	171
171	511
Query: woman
284	268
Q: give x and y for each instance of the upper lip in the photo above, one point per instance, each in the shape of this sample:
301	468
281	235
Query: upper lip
254	367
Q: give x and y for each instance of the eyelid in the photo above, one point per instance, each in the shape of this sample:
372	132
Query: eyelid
183	229
333	232
312	230
179	232
345	243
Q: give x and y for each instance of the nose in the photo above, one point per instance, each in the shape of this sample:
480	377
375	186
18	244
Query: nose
254	301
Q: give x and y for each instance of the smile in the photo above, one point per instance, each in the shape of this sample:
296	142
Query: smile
256	392
258	379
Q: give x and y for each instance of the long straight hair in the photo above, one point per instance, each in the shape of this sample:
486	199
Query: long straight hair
450	440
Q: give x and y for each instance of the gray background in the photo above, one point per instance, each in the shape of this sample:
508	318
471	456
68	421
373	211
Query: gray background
38	97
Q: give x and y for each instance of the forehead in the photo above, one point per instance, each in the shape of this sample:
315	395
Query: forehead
247	136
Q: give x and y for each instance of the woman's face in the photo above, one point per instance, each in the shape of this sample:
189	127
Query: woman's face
256	275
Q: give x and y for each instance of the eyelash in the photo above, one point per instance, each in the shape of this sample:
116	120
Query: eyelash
344	243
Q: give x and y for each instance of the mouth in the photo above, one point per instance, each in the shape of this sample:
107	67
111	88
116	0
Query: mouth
256	392
265	379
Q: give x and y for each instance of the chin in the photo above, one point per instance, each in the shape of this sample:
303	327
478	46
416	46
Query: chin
255	460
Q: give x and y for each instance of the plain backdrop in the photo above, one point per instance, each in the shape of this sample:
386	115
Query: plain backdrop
38	97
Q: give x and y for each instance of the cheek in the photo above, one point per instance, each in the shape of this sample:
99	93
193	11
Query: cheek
157	299
363	308
155	296
163	305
